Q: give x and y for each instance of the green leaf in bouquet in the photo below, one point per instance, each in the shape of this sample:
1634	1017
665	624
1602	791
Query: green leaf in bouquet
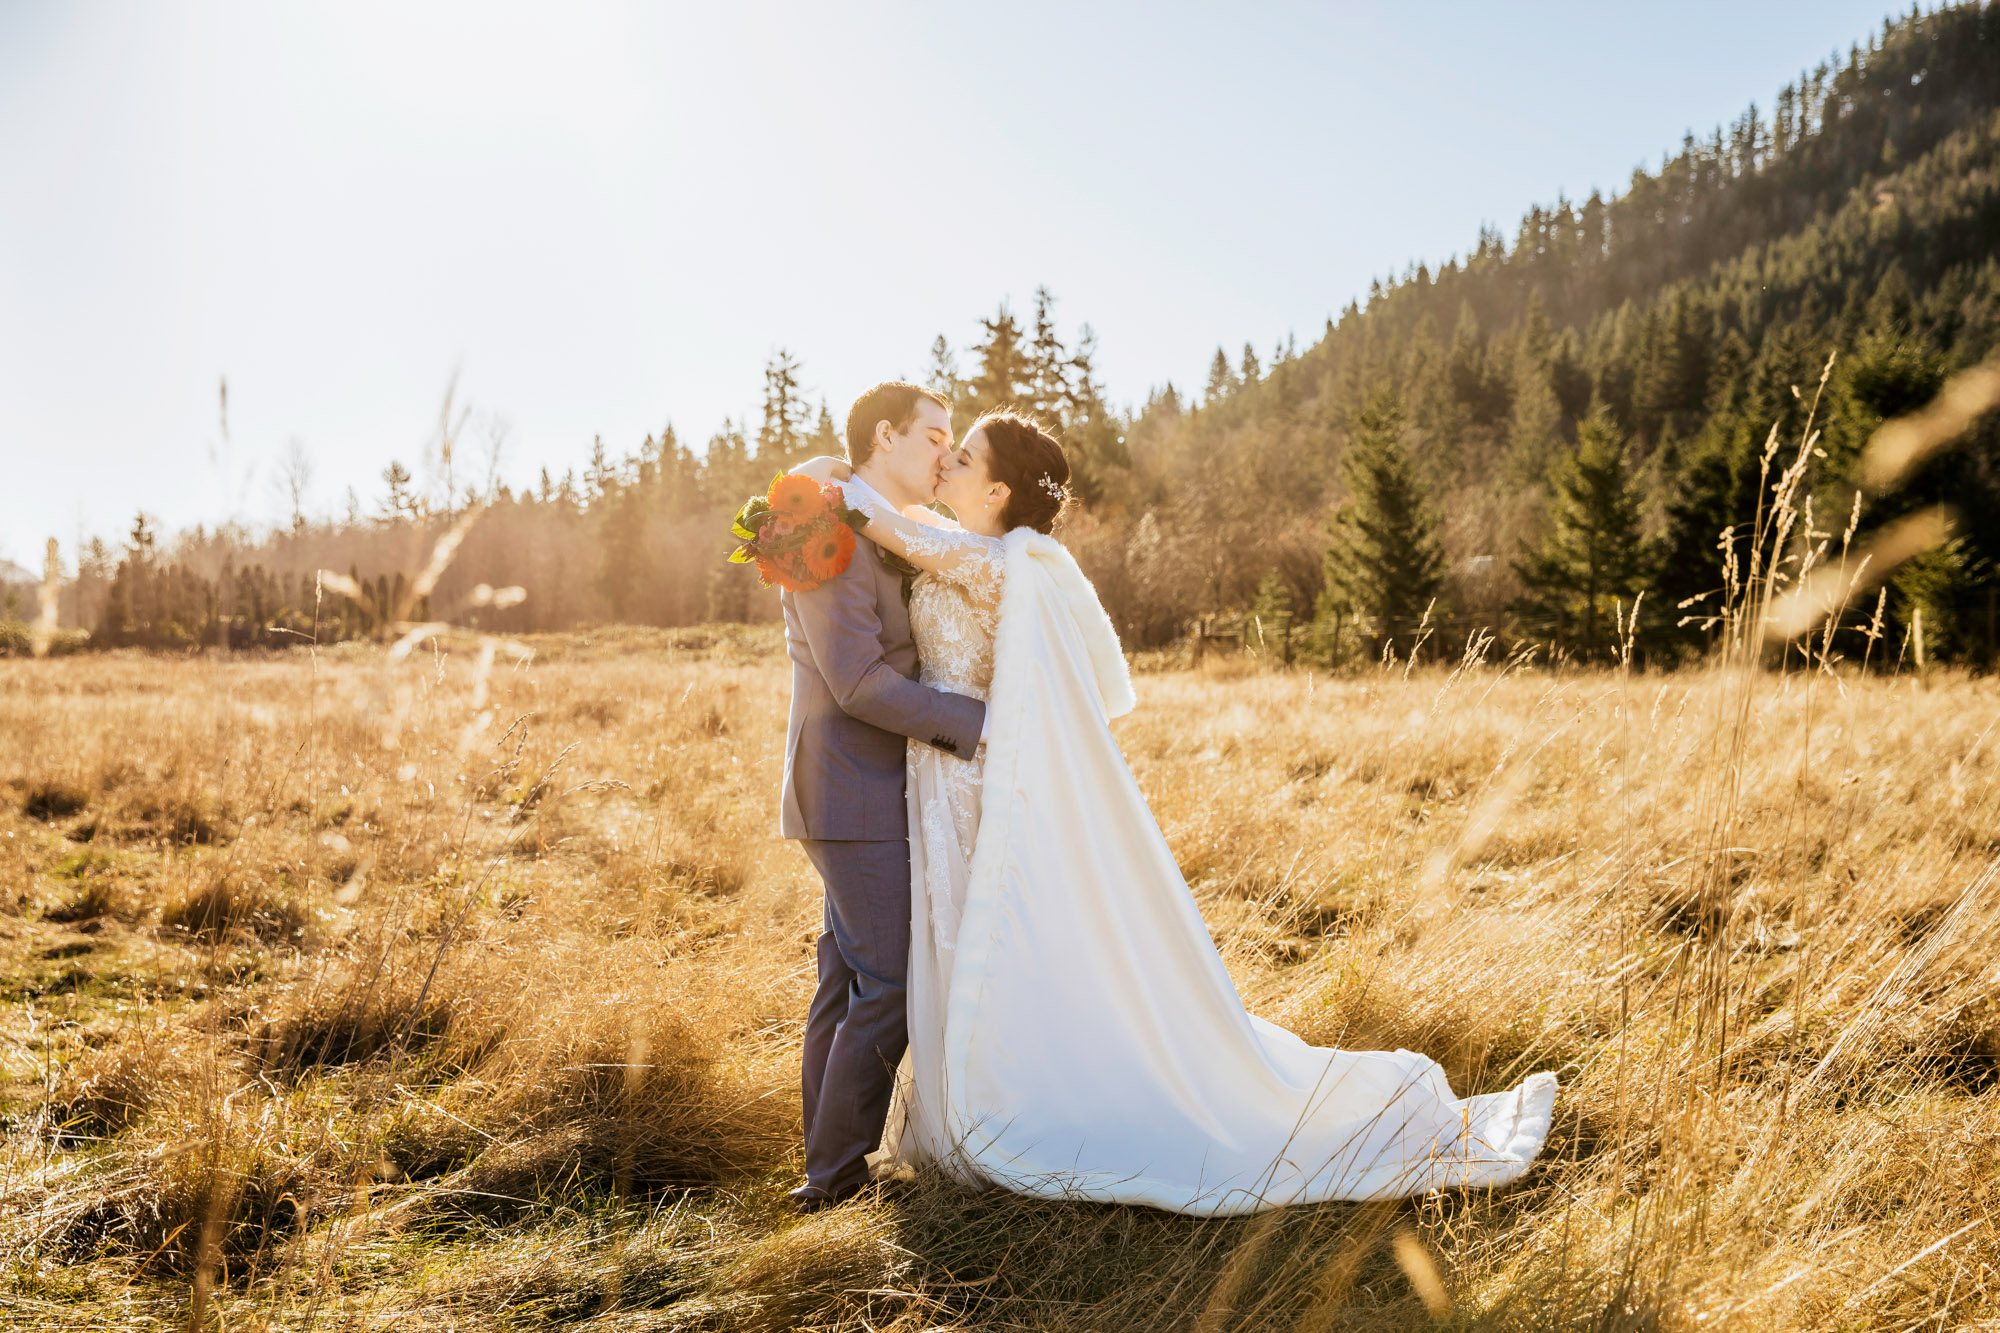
742	555
756	511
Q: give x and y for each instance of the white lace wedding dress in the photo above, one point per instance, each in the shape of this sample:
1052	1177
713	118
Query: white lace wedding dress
1073	1032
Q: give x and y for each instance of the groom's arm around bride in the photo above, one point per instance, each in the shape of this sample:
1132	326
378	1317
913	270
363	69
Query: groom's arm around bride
854	700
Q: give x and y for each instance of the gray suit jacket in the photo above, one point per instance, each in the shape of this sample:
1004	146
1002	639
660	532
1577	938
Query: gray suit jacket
854	700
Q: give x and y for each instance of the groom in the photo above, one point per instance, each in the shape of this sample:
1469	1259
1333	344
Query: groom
854	700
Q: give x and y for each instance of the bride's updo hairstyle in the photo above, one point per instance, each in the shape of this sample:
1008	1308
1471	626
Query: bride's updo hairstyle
1027	459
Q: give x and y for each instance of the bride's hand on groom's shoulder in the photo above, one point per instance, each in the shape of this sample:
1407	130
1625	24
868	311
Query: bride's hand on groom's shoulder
825	468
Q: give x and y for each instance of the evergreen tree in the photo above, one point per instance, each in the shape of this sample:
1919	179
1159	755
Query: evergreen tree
621	570
731	472
781	437
1252	371
1085	396
140	543
1004	372
598	477
826	441
1048	364
942	373
1671	374
1383	557
1092	433
1934	600
1270	617
1888	374
399	500
1569	377
1709	498
1534	429
94	571
1593	553
1466	366
1221	379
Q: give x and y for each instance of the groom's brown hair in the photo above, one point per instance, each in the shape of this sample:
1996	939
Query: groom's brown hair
892	401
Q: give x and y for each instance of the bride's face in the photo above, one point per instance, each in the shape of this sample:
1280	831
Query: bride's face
975	498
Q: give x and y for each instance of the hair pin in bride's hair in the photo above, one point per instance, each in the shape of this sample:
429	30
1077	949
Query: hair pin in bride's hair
1053	487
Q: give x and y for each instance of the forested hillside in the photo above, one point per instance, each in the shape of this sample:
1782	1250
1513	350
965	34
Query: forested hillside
1860	217
1545	427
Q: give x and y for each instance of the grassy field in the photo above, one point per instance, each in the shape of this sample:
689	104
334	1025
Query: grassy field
464	991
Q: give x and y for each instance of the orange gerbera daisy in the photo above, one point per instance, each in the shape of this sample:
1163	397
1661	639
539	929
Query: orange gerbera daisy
828	552
795	499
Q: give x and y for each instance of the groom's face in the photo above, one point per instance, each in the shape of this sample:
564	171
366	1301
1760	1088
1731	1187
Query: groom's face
914	458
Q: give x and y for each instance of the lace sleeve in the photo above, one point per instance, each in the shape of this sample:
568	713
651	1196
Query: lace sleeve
945	549
955	555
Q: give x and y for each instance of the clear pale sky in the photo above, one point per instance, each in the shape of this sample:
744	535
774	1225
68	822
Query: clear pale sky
603	217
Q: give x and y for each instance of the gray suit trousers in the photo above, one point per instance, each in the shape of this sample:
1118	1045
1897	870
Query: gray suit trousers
856	1030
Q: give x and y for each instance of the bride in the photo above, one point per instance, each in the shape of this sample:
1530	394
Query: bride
1073	1032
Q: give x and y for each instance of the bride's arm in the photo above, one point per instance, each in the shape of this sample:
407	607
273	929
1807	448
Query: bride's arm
950	551
929	517
926	539
826	468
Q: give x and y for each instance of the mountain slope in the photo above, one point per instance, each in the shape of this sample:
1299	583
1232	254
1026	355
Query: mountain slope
1861	218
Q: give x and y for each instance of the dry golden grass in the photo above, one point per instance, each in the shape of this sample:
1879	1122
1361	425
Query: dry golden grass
344	992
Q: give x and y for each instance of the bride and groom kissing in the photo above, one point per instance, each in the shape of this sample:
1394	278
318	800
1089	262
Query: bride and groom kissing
1015	983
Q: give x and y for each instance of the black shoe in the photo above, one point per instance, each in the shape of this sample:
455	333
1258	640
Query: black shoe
811	1198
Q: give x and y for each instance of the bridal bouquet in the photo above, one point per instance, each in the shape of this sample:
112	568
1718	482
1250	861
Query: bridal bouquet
799	534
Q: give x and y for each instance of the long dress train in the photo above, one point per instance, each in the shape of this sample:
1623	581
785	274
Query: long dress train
1073	1031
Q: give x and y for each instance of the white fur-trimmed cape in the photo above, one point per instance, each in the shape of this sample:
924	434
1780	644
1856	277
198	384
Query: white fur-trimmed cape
1094	1045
